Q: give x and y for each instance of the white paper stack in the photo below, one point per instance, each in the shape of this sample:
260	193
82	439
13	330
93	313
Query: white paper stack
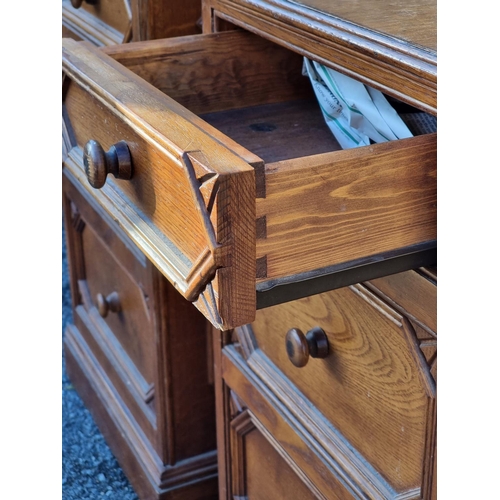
354	112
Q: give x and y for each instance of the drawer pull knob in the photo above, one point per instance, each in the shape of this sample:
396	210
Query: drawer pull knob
98	163
109	303
299	346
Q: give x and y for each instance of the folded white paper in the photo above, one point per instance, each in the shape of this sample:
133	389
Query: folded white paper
354	112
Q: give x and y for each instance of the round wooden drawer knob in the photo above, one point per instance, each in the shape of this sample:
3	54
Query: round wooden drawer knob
299	346
98	163
109	303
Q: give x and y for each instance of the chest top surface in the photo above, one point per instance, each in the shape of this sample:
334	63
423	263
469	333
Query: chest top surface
412	21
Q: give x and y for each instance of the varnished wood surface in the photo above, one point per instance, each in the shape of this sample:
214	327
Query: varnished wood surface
139	362
411	20
317	211
153	19
276	132
149	478
413	292
172	156
289	436
404	69
114	13
260	468
105	23
374	386
333	208
213	73
110	22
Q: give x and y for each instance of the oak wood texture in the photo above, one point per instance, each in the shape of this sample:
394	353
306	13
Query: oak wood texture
360	423
104	22
153	19
260	467
210	73
375	381
335	207
110	22
191	204
388	46
414	293
134	368
303	450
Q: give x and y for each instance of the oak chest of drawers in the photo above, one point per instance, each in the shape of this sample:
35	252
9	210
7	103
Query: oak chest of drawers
209	156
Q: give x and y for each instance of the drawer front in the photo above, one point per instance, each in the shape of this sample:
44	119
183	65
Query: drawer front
101	22
113	300
374	386
209	213
190	203
268	454
260	468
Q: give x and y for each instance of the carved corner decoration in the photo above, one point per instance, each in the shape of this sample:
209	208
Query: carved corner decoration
425	354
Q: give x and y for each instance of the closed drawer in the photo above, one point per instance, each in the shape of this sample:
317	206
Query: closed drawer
139	355
113	296
101	22
237	184
374	387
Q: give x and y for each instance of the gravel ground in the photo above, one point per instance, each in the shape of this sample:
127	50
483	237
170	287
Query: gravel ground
89	469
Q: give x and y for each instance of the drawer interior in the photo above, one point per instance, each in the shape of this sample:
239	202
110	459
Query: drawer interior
246	87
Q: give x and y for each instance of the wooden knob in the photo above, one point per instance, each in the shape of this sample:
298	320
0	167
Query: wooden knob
109	303
299	346
98	163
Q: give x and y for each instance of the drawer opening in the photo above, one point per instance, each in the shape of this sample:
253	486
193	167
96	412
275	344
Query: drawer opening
325	217
248	88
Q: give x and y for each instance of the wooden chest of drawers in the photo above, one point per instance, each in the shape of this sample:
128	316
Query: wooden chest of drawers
231	193
359	422
130	355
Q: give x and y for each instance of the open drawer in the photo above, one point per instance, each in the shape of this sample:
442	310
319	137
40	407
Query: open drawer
237	191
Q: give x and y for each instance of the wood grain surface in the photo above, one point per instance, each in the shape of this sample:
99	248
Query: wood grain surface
374	386
106	23
139	360
153	19
411	20
287	432
209	73
412	292
400	61
332	208
170	153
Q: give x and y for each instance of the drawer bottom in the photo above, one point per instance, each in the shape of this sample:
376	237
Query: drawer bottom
195	478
